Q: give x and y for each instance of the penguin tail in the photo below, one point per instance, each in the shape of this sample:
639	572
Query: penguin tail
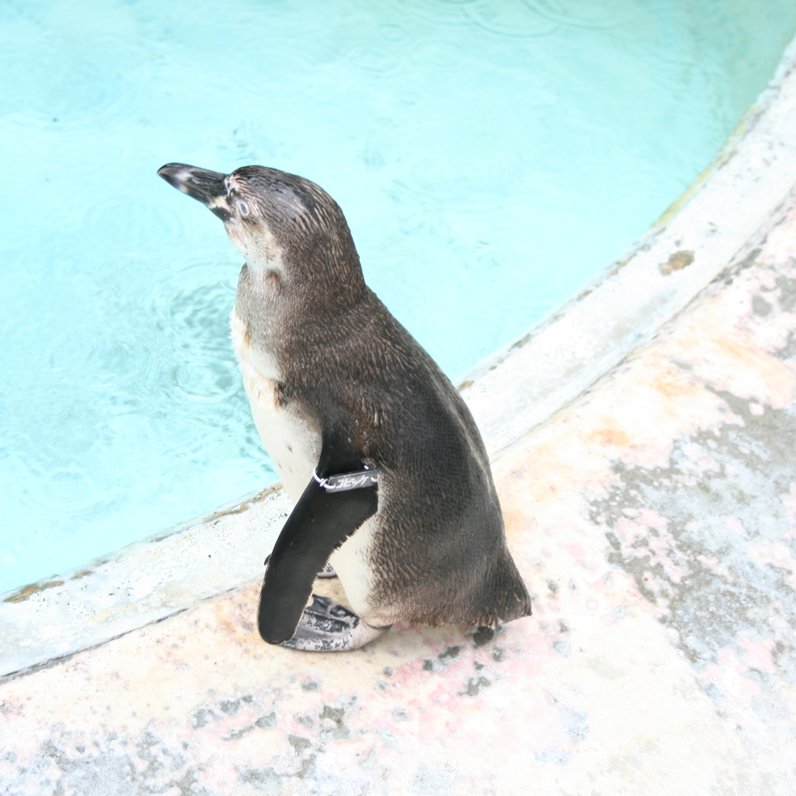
505	596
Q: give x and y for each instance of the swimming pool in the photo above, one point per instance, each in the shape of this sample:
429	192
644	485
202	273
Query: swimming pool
489	162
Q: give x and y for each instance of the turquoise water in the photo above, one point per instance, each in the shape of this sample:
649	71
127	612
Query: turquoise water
490	157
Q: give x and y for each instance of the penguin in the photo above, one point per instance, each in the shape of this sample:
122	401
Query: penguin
374	445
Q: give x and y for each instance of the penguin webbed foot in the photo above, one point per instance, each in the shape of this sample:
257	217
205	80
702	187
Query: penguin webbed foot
327	572
327	626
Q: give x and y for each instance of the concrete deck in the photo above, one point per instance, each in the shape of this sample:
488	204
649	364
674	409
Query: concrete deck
654	520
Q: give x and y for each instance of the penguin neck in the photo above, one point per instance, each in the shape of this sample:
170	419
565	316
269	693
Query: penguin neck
276	308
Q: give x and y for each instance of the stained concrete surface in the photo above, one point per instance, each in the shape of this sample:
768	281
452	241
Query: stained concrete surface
654	520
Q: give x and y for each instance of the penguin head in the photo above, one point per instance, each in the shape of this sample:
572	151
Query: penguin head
287	227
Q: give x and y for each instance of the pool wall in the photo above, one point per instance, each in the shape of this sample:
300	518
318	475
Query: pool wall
510	394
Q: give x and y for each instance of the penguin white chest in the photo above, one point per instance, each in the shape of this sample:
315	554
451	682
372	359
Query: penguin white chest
291	441
294	445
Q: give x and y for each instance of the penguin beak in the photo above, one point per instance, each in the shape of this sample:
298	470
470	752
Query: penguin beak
203	185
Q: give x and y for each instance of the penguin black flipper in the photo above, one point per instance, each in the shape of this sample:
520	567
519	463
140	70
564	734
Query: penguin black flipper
320	522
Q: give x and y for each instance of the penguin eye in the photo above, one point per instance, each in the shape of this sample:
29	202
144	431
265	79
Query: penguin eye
243	208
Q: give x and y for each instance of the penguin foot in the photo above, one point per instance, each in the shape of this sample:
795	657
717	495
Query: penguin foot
326	626
327	572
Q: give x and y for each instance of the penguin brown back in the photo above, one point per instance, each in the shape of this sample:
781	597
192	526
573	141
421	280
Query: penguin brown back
389	473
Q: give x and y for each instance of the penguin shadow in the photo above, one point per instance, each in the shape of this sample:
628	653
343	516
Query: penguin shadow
462	660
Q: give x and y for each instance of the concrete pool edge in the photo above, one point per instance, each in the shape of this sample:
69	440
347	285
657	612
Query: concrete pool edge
515	391
693	240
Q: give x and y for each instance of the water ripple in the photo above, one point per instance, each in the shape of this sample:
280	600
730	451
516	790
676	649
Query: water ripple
450	13
511	19
190	308
600	15
373	59
80	94
121	222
